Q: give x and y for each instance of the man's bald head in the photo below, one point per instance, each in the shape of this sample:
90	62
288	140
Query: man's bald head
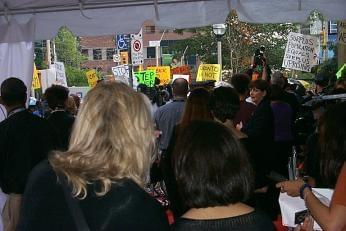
180	87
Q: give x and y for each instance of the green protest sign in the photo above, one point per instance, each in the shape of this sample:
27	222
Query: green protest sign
146	77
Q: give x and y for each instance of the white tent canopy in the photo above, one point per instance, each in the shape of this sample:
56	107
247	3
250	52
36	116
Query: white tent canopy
99	17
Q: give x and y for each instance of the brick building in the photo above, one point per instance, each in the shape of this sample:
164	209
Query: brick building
100	49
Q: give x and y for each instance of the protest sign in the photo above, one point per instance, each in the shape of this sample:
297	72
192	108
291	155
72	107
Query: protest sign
163	73
291	206
209	72
342	32
92	78
300	52
36	84
146	77
186	77
60	73
183	70
121	73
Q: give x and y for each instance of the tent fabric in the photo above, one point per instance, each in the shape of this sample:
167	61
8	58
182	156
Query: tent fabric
100	17
279	11
17	58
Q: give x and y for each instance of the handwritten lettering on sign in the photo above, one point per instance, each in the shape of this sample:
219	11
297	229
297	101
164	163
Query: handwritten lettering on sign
183	70
146	77
209	72
300	52
163	73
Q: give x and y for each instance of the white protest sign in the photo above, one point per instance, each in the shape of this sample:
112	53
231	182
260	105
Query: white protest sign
60	73
186	77
290	206
300	52
342	32
121	73
137	49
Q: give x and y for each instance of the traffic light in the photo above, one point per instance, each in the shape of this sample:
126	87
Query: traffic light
124	57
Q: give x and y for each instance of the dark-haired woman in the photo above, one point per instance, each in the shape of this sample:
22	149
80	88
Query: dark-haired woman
333	170
214	178
196	108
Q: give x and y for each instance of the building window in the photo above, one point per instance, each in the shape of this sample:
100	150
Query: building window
97	54
85	52
151	52
333	27
110	52
149	29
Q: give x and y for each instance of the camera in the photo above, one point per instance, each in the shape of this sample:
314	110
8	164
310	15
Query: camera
259	56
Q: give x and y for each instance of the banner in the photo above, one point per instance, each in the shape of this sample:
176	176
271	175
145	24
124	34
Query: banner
209	72
92	78
300	52
183	70
36	84
60	74
163	73
146	77
121	73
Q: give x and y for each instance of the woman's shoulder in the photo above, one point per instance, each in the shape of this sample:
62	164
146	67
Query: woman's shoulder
42	172
254	220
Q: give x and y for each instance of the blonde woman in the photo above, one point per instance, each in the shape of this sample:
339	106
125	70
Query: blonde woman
106	166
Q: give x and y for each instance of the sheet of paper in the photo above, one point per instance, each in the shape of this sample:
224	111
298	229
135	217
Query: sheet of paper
290	205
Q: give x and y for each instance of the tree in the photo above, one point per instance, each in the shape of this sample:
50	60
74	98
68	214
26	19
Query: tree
239	43
68	51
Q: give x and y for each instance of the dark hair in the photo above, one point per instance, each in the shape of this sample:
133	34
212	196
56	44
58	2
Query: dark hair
262	85
211	167
13	91
197	107
240	82
180	87
277	93
224	103
76	100
56	95
333	142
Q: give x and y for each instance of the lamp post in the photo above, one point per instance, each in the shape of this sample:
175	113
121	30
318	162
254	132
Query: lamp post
219	30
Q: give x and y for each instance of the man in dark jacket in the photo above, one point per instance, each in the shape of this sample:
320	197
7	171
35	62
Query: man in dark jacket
25	140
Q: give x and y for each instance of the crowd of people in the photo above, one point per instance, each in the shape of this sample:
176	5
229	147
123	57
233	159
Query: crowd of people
88	166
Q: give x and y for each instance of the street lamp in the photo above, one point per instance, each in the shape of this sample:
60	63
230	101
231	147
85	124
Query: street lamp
219	30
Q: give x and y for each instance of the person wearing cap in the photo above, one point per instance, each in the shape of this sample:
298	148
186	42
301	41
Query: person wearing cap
25	140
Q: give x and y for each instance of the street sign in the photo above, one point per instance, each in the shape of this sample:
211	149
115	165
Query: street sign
137	49
122	42
116	58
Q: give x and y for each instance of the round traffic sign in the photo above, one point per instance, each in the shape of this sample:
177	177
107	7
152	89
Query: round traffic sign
137	45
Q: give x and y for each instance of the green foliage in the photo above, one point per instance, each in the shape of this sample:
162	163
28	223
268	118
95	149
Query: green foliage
68	51
67	48
75	77
239	43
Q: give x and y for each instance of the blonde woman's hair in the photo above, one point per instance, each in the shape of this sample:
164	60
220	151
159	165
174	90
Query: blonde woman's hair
112	139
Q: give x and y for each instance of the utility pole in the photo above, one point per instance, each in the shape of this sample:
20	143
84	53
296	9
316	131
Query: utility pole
48	53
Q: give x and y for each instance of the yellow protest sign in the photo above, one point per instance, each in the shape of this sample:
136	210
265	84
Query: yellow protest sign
209	72
163	73
36	84
92	78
